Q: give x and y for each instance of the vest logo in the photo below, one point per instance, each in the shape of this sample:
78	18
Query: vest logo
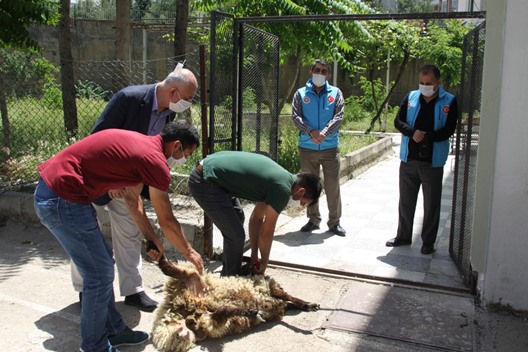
446	109
408	104
306	100
331	99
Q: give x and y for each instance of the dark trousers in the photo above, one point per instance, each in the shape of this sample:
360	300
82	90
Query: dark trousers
227	214
414	174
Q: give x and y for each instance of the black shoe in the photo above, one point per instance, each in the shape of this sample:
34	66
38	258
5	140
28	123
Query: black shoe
128	337
427	250
396	242
142	301
338	230
309	227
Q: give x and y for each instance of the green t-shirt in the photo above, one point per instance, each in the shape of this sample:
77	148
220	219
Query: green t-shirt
250	176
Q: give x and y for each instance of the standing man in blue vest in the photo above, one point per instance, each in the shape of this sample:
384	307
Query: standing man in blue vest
426	119
317	111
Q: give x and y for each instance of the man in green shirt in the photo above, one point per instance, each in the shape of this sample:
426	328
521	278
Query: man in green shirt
217	181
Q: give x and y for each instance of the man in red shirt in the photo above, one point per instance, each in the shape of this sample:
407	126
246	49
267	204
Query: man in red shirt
71	180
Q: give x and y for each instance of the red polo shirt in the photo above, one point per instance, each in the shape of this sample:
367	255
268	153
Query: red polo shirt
106	160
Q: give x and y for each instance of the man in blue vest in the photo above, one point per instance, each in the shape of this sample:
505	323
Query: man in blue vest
426	119
317	111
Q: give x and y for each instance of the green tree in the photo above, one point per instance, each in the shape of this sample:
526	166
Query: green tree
395	41
15	18
442	45
301	42
139	9
414	6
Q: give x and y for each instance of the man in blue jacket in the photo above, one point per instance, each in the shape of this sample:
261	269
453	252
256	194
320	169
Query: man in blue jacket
317	111
145	109
427	118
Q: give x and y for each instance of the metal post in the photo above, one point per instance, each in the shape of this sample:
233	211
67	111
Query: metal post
208	225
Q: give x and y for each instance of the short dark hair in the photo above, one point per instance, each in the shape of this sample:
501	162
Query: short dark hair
322	62
312	184
181	130
426	69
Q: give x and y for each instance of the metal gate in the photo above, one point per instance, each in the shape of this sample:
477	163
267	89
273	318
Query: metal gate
466	147
244	88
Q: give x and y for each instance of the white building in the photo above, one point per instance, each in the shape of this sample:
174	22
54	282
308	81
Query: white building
499	249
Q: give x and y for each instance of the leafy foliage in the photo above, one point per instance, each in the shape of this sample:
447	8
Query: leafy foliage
90	90
315	38
414	6
25	67
16	16
442	45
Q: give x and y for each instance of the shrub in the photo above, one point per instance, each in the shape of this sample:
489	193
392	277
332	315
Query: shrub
90	90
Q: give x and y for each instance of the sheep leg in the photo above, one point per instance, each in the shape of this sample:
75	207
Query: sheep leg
277	291
192	280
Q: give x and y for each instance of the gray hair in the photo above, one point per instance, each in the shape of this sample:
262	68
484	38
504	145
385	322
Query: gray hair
178	77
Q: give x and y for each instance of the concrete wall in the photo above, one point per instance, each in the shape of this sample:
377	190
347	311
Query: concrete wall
500	243
95	41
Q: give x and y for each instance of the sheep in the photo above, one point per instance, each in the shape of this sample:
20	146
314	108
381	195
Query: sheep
200	307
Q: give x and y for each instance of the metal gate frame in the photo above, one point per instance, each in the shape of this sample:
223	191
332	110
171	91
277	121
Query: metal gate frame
232	134
228	122
466	154
460	236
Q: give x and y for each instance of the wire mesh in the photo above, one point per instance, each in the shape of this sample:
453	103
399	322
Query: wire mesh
467	136
222	75
258	98
33	126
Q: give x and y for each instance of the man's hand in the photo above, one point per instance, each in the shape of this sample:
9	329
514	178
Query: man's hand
195	258
317	136
155	250
418	136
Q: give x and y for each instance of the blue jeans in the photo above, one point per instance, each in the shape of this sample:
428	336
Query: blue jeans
75	227
227	214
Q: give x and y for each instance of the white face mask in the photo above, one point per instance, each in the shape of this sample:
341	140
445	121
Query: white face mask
294	204
318	80
173	163
180	106
427	91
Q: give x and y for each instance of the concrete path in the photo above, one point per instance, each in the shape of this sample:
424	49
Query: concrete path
370	217
422	311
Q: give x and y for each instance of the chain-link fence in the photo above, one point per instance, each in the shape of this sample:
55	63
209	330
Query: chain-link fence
33	126
467	137
258	114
